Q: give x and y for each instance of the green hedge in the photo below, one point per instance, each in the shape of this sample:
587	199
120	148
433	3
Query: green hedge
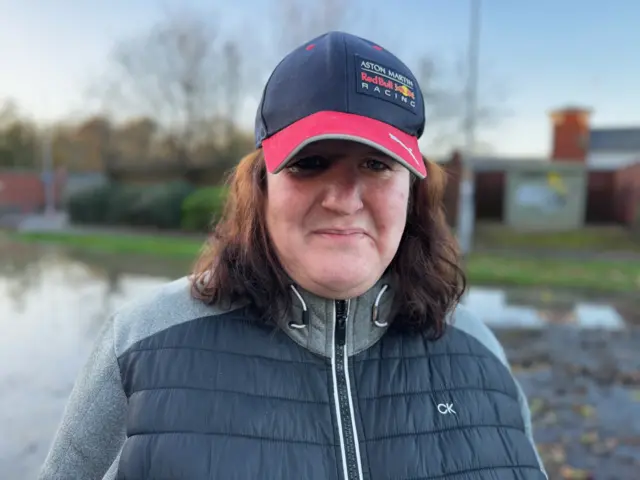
90	206
158	206
202	208
176	205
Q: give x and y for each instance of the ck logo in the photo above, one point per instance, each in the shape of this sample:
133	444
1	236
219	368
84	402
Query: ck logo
446	408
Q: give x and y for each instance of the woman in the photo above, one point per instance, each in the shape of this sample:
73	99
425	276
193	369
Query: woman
313	339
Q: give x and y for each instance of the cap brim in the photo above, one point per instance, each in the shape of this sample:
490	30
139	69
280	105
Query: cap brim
280	148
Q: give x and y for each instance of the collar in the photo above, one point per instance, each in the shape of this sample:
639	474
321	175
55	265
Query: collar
312	320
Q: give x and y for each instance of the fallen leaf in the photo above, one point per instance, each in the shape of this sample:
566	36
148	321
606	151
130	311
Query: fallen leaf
570	473
589	438
536	405
557	454
611	443
550	418
605	447
546	296
585	410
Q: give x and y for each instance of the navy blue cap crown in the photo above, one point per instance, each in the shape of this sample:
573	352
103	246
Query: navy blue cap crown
340	72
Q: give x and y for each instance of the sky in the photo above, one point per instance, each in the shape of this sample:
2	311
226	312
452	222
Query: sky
537	56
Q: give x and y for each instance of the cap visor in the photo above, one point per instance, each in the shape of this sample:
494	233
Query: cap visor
284	145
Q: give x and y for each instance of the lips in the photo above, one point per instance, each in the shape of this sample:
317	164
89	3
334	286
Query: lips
341	231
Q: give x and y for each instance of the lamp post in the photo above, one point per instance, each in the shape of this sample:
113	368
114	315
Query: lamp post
48	174
466	210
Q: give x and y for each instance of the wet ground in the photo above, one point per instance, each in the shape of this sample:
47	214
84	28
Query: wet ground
584	392
578	360
577	356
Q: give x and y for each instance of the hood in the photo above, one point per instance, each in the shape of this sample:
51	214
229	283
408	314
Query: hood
312	320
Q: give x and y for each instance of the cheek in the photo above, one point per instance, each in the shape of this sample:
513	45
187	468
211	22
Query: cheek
285	208
391	211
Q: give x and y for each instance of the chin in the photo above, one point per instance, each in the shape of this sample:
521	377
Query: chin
350	278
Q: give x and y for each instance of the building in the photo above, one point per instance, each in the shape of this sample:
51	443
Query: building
601	149
609	156
23	191
612	158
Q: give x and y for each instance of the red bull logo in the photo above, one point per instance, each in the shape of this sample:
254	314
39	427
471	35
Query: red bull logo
405	91
376	80
389	84
384	83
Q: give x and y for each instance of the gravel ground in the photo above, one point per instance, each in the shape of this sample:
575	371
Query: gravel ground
584	392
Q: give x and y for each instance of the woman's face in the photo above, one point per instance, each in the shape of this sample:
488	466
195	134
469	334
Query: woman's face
336	216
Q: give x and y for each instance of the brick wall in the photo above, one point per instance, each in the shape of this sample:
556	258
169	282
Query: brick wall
570	135
24	192
627	194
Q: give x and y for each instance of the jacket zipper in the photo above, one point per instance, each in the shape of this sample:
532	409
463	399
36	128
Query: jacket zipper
351	463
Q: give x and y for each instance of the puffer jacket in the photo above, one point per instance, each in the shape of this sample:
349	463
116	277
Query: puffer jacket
176	389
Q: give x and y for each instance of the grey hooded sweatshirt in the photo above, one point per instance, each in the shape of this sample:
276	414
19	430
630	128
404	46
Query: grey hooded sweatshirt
176	389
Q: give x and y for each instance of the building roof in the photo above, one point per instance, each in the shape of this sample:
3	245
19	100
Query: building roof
615	139
605	161
501	164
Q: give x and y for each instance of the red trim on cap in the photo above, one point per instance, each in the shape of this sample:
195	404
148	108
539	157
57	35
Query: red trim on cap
337	125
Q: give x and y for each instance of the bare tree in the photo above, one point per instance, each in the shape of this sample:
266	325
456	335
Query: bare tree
134	139
443	82
181	75
299	20
232	68
18	137
9	112
443	85
92	144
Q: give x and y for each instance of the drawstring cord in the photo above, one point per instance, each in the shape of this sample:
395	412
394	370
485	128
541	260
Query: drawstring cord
305	312
375	311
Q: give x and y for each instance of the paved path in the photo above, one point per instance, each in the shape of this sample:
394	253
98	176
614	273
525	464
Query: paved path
562	254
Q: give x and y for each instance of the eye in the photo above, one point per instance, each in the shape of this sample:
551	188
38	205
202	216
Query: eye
309	164
376	165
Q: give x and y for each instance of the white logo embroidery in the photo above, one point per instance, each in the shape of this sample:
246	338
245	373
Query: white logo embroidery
446	408
396	139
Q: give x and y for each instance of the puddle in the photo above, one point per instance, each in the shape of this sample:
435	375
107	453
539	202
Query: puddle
520	308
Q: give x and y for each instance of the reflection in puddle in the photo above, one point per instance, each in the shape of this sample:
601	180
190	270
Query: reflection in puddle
53	301
502	308
51	307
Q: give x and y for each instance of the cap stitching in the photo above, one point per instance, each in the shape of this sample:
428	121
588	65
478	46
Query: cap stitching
346	74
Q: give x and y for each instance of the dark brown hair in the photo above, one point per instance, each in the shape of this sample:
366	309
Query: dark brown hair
239	261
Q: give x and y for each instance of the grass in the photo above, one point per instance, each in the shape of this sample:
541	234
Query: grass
122	243
588	238
595	275
482	268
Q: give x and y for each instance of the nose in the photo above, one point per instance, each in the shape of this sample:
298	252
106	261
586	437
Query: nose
343	193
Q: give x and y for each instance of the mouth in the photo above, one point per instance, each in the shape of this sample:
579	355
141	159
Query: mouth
341	231
341	235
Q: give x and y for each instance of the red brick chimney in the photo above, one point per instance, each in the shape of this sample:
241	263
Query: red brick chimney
570	134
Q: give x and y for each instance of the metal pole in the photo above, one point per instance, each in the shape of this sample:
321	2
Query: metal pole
47	173
466	211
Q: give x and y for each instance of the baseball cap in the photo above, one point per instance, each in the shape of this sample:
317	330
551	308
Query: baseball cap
341	86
